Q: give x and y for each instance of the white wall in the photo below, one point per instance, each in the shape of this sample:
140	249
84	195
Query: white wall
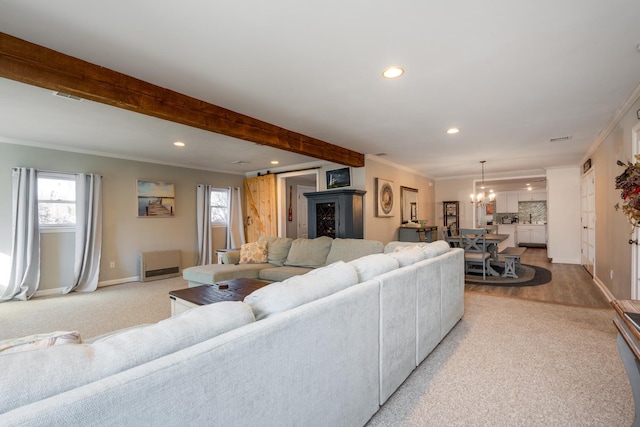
564	215
613	253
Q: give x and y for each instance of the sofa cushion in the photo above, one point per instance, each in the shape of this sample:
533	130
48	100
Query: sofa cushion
253	253
38	374
211	273
393	246
409	256
278	274
295	291
350	249
436	248
277	249
309	252
36	341
373	265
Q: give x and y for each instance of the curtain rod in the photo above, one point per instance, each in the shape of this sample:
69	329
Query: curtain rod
13	169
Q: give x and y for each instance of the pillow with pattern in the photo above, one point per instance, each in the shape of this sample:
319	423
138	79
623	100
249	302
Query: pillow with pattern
253	253
36	341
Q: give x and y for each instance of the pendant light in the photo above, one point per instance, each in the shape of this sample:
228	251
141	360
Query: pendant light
480	198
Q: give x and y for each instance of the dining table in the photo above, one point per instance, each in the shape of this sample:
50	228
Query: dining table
492	240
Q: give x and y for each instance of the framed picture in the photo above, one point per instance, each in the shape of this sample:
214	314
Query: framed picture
489	209
384	195
338	178
156	199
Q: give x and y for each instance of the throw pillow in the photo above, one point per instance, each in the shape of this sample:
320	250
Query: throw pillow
309	252
277	249
253	253
31	342
408	257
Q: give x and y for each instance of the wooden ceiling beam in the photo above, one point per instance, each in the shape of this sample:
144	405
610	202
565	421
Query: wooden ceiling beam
39	66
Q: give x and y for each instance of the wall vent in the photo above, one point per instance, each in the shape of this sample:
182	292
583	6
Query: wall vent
67	96
156	265
560	138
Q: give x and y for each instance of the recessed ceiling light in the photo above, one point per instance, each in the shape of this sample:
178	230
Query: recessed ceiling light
179	144
451	131
392	72
275	162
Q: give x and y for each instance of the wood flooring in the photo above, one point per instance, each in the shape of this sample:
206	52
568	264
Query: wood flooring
570	284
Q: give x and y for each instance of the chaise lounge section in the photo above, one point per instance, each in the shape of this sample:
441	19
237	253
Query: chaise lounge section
283	258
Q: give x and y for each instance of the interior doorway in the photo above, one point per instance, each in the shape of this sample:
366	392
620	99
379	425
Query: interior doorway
303	217
288	185
588	207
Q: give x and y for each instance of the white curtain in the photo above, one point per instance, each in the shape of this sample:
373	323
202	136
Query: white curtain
86	266
25	251
235	228
203	220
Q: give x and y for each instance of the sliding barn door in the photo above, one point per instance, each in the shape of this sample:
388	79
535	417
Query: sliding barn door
261	204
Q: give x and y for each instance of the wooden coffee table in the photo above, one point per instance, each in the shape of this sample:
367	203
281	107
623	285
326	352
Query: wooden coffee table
227	290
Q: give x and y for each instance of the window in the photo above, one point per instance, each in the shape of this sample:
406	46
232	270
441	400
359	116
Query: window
219	206
56	200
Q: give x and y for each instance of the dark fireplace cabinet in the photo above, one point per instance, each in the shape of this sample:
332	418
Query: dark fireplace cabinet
336	213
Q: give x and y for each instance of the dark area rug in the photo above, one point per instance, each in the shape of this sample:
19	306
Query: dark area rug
528	275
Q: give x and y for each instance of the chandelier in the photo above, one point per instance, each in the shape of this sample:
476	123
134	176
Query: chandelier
480	198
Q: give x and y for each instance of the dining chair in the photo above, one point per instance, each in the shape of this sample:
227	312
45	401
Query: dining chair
473	241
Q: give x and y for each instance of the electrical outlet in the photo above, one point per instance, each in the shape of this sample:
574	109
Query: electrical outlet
112	264
611	274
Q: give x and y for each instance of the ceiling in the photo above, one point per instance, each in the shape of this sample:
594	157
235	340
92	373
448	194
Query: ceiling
512	75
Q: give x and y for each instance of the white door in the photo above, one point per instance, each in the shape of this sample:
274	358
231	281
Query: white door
303	217
635	252
588	200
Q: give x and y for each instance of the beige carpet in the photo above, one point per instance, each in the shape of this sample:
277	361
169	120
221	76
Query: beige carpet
512	362
509	362
92	313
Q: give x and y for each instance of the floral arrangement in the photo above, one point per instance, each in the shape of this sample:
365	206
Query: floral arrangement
629	182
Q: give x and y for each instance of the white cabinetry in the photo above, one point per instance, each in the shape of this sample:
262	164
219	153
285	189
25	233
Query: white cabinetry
538	195
539	234
532	234
532	196
507	203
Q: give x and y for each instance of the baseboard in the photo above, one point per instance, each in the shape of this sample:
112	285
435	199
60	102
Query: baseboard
605	291
119	281
566	261
58	291
48	292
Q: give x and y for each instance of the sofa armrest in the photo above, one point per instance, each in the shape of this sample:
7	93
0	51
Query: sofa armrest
231	257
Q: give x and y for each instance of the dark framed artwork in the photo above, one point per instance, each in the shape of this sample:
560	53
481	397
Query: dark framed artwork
338	178
156	199
384	194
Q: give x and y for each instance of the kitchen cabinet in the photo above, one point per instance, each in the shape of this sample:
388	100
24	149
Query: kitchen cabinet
536	234
532	196
507	203
336	213
539	235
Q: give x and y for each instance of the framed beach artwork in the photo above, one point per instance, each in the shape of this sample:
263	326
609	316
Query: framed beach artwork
156	199
384	195
338	178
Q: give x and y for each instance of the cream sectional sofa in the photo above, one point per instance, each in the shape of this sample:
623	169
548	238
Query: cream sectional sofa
285	258
324	348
